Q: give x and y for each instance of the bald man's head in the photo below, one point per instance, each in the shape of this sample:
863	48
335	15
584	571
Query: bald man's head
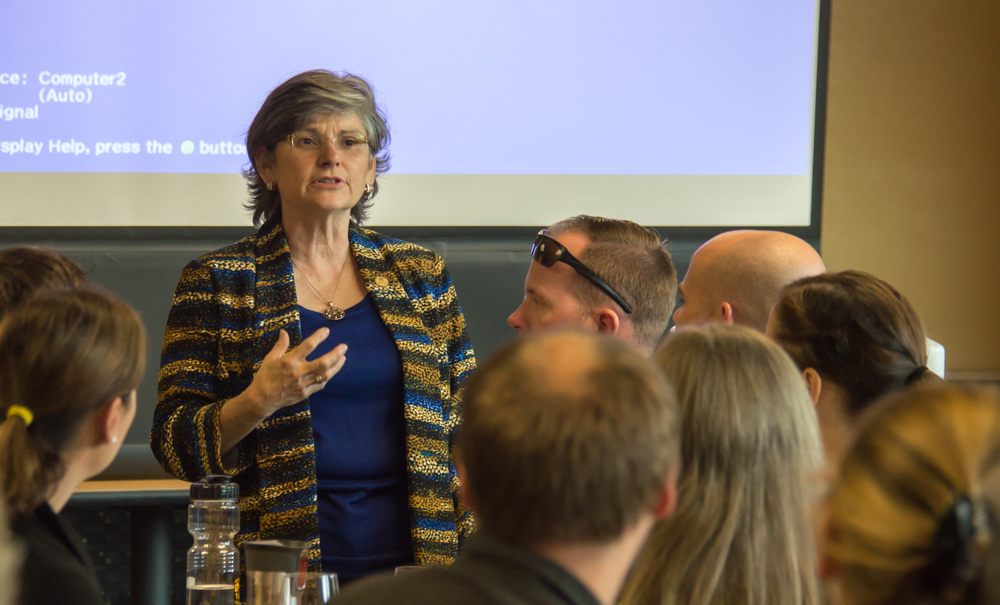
566	437
736	277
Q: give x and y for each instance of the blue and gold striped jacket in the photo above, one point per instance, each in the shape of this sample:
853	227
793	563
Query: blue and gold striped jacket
226	314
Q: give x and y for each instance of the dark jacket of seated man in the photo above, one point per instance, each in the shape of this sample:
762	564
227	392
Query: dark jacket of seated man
488	571
567	454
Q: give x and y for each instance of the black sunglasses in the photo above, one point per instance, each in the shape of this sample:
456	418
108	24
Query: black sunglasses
546	251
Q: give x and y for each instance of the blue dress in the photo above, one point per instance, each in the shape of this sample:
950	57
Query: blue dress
360	433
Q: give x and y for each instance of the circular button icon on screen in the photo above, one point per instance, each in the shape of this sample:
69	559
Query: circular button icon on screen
187	147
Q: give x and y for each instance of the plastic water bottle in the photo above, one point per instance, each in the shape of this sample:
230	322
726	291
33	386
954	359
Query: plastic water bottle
213	563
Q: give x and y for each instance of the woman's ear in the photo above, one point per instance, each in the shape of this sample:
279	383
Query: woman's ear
666	504
263	160
109	420
112	420
814	382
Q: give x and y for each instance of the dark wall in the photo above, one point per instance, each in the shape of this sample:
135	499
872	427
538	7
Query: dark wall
143	269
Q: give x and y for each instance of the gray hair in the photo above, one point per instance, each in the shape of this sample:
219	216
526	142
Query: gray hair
296	103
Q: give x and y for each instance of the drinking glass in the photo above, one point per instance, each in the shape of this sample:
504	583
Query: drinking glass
312	588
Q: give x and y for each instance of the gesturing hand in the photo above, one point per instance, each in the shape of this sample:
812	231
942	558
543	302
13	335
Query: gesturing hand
286	378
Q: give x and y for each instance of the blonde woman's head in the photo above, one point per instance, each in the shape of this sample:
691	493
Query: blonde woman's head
915	505
743	531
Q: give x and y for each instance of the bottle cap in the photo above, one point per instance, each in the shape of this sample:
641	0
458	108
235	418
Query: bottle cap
215	487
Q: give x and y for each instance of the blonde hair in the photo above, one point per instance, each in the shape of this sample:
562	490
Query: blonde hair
922	454
743	531
62	357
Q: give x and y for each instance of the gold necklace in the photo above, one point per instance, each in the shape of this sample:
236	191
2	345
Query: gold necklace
332	312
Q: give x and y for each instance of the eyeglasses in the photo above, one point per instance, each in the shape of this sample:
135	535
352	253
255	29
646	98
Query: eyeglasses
347	143
546	251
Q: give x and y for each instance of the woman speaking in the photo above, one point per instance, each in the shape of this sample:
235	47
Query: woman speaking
320	363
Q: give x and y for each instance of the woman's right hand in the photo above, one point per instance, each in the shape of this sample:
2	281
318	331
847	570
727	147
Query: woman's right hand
286	378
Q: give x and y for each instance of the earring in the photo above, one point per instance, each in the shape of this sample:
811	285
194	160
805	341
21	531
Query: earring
270	186
114	439
368	189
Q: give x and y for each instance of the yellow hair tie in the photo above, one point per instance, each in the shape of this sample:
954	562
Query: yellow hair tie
23	412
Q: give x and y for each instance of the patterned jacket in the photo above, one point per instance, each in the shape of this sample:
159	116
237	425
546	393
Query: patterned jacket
227	310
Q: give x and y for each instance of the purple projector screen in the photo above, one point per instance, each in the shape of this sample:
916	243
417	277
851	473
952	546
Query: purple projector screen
502	113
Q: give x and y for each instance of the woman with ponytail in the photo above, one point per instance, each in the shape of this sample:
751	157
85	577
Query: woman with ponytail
915	511
70	362
854	338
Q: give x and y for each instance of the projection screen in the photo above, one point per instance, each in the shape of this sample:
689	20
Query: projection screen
513	113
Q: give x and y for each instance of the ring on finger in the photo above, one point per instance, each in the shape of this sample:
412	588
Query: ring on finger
318	377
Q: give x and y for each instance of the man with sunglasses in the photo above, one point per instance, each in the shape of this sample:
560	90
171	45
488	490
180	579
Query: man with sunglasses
599	274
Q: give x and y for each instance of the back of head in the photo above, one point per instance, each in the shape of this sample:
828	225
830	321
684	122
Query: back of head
743	528
748	269
566	438
914	511
61	358
25	270
635	262
855	330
